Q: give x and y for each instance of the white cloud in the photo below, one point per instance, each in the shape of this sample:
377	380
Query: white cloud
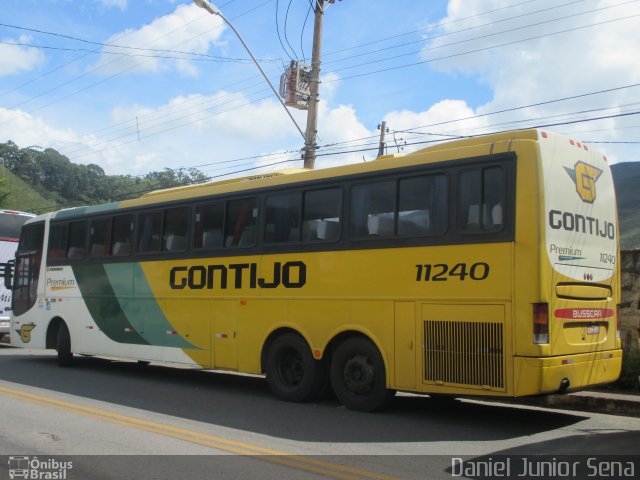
554	65
17	58
25	129
188	29
121	4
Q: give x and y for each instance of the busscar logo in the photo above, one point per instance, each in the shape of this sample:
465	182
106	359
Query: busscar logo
585	177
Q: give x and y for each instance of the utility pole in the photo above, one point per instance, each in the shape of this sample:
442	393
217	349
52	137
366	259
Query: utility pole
383	131
314	87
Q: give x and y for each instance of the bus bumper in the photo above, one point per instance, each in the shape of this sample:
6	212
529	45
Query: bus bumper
534	376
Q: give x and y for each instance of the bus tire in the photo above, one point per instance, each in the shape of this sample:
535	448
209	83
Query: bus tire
293	374
63	346
358	376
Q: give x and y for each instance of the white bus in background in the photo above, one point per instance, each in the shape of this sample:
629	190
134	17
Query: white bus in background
10	226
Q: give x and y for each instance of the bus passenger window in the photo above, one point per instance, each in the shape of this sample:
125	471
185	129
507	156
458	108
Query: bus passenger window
282	214
149	232
77	239
122	235
240	225
208	221
176	224
422	205
57	241
481	196
322	215
99	237
373	210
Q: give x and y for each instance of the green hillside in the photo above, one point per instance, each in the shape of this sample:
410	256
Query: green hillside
627	180
19	195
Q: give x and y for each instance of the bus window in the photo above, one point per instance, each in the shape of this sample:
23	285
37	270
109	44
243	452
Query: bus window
77	239
282	213
208	220
240	225
149	232
322	215
422	205
481	196
58	241
99	237
176	224
122	235
373	210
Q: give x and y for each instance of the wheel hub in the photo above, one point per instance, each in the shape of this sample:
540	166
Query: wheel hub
359	374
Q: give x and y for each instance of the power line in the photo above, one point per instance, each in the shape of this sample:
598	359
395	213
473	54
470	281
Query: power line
278	31
446	57
306	18
127	69
195	56
428	27
475	27
374	147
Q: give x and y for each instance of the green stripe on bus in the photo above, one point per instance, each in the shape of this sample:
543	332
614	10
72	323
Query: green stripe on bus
103	305
142	310
79	211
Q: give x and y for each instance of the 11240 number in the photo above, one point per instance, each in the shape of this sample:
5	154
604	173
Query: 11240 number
441	272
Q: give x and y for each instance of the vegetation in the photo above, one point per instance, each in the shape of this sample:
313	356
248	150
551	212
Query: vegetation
630	375
627	179
58	183
15	194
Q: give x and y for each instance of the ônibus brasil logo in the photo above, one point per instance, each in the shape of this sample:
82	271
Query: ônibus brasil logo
585	177
32	468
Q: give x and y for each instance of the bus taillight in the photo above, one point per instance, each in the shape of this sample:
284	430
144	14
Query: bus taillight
618	321
540	323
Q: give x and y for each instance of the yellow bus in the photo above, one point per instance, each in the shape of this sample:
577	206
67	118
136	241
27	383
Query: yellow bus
482	266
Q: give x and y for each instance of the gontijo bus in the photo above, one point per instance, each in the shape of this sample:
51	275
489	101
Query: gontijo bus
482	266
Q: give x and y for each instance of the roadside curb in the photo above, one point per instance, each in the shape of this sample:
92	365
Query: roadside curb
598	402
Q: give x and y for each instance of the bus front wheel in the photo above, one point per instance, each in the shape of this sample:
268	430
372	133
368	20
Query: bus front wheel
63	346
358	376
292	373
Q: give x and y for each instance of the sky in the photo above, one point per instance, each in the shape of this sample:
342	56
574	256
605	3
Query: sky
141	85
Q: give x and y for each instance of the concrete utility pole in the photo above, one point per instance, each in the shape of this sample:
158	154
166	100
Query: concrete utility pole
383	131
314	87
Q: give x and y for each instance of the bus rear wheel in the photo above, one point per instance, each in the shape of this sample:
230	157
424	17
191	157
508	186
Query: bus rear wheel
63	346
358	376
292	373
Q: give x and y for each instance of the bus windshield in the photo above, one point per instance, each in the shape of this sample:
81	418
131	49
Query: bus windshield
10	226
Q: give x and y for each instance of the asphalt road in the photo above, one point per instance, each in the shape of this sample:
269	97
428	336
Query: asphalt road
122	420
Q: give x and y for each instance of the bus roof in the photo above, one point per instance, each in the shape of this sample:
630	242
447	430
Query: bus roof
481	145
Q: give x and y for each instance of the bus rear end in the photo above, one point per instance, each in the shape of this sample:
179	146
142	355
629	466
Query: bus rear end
574	325
10	226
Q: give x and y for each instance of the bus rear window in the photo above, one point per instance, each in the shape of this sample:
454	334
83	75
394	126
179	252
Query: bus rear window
10	225
481	199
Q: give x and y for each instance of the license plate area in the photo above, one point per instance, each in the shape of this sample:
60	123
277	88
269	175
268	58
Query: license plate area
593	330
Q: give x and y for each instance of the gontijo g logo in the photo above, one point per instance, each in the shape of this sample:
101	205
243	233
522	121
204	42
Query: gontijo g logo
585	177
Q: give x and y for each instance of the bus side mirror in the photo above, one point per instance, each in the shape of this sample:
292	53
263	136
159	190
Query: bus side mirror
6	270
